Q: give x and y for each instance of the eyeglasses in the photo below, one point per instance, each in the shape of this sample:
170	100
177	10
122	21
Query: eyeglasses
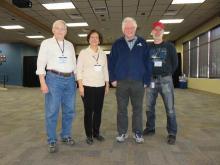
60	29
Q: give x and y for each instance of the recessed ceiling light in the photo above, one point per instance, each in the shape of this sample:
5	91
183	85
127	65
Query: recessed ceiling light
187	1
166	21
58	6
82	35
39	36
150	40
166	32
11	27
79	24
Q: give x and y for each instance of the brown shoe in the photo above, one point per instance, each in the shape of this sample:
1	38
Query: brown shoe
171	139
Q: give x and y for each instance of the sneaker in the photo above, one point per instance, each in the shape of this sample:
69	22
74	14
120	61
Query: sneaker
138	138
68	141
89	140
99	138
171	139
122	137
148	132
52	147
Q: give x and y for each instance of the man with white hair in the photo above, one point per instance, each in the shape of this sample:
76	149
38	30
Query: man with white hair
129	71
56	67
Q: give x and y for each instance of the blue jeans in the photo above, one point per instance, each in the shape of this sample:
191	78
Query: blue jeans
62	92
164	86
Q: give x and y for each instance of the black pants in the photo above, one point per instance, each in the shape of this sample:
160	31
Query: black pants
93	103
134	91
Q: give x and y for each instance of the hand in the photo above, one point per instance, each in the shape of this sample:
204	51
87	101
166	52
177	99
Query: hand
106	90
81	91
114	83
44	88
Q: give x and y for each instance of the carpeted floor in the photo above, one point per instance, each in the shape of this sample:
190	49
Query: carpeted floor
23	139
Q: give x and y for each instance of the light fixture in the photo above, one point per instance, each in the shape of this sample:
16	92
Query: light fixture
58	6
33	37
82	35
78	24
107	51
12	27
150	40
187	1
166	32
167	21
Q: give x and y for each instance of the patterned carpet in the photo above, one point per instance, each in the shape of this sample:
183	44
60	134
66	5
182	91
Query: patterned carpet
23	139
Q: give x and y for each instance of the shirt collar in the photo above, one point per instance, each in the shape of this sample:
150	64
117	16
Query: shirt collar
135	38
90	50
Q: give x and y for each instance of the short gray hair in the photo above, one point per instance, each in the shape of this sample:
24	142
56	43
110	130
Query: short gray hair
59	22
128	19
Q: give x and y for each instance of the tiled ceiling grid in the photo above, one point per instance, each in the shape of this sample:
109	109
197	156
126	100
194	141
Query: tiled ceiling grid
105	16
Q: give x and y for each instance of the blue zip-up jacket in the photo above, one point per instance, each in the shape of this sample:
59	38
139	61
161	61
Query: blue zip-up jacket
126	64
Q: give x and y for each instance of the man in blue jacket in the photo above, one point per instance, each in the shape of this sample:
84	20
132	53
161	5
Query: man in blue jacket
129	71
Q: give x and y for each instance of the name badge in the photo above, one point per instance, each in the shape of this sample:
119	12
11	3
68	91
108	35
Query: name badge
158	63
98	68
62	60
152	84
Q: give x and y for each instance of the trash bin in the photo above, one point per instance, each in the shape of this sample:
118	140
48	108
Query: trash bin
183	82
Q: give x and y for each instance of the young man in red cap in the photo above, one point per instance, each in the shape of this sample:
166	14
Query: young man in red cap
164	58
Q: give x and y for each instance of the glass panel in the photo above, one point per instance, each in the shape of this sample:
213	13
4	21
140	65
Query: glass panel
193	62
215	59
215	33
203	61
186	58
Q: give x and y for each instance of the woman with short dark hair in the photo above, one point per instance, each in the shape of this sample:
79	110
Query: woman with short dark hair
92	76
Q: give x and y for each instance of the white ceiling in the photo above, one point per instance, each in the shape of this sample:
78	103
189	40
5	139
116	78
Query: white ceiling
38	20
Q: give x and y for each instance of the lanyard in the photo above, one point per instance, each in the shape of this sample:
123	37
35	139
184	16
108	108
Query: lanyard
157	50
96	59
62	50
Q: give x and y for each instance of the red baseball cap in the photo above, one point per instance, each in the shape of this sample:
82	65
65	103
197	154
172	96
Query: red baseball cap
160	24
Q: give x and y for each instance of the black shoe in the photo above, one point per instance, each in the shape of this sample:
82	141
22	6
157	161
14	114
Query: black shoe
171	139
89	140
148	132
68	141
52	147
99	138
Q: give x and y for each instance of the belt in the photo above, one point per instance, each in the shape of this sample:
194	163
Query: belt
61	73
159	76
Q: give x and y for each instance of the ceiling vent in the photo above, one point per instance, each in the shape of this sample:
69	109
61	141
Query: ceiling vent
100	10
170	12
75	16
86	30
21	32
